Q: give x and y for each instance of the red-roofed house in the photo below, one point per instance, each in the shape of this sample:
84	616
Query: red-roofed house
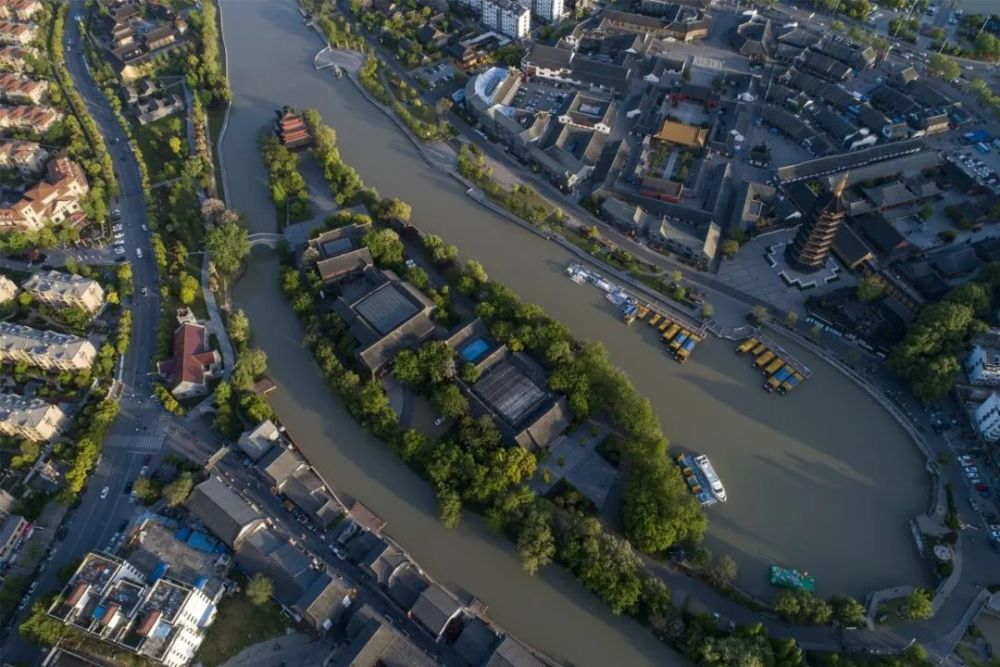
193	365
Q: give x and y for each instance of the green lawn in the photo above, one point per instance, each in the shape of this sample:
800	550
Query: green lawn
216	117
152	140
239	624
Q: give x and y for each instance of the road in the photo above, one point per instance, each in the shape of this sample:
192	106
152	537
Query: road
135	432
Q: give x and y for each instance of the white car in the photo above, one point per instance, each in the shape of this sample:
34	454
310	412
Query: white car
104	492
138	253
971	471
144	227
119	250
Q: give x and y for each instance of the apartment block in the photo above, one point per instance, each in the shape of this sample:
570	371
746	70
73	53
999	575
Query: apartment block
21	34
66	290
507	17
47	350
148	614
30	418
983	365
29	117
548	10
987	418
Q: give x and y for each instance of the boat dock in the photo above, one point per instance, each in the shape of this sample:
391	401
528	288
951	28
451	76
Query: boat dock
696	480
680	336
783	372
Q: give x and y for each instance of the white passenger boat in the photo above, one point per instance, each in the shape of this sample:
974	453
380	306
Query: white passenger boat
714	482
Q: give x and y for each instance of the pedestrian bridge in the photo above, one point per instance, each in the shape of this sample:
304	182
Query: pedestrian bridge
267	239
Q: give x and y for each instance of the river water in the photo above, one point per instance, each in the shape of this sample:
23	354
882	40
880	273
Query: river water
822	480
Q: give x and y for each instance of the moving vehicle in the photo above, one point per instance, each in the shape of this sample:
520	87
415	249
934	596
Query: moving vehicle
714	483
138	253
104	492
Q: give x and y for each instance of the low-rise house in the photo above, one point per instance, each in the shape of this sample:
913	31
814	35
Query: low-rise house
223	512
22	10
511	653
151	109
291	129
30	418
435	609
33	118
339	252
148	614
259	440
381	561
680	134
375	643
288	473
15	33
54	199
8	290
193	365
511	388
22	89
16	57
47	350
27	157
66	290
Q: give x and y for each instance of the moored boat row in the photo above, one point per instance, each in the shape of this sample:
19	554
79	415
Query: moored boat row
702	479
782	371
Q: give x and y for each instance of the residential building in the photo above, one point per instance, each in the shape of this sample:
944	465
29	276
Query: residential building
12	530
8	290
548	10
22	10
193	365
66	290
223	512
288	473
15	33
47	350
147	613
339	253
986	417
54	199
140	33
30	418
28	157
811	246
38	119
508	17
15	57
983	365
22	89
512	653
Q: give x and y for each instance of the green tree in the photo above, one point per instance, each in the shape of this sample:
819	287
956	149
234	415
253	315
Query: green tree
917	605
535	542
260	589
450	508
229	244
847	611
606	565
943	67
239	328
177	491
250	365
448	399
723	572
41	629
870	288
188	289
146	490
175	145
385	246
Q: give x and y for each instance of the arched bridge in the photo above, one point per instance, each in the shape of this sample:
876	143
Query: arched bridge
268	239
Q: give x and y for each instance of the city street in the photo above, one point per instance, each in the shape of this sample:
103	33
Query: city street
92	524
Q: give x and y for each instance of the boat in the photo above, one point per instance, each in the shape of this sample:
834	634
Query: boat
617	297
758	348
671	332
763	359
773	367
714	483
679	340
775	380
655	319
665	324
746	346
576	274
791	578
790	383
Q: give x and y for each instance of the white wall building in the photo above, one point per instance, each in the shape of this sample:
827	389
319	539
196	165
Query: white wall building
548	10
113	601
48	350
983	365
987	418
507	17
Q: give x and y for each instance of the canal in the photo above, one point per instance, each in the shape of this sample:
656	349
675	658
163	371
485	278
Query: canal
822	480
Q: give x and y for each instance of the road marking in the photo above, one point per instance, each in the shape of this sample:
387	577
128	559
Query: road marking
149	443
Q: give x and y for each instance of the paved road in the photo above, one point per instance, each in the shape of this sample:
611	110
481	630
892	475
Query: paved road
134	434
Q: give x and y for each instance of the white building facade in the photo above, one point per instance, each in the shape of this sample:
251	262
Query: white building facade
983	366
548	10
507	17
987	418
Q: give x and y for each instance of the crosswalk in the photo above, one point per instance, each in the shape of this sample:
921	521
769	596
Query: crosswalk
138	402
144	442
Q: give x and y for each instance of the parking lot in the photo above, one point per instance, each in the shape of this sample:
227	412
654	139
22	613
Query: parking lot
440	74
539	97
